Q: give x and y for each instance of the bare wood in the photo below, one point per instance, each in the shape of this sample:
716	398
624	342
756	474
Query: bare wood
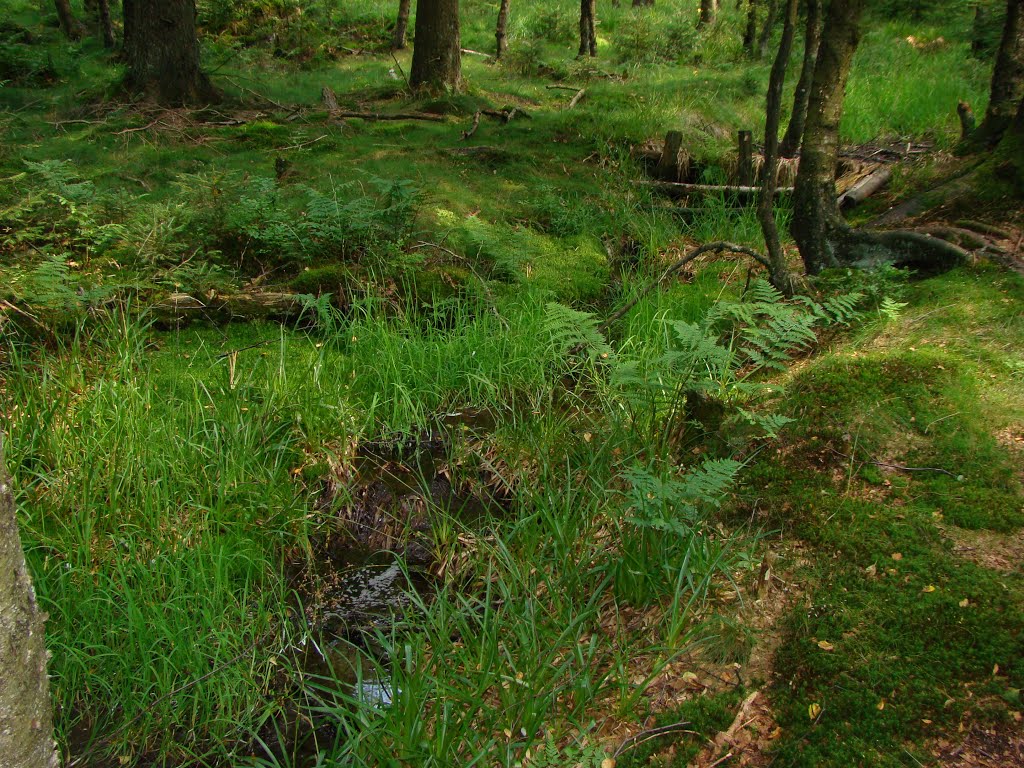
738	189
866	187
330	99
560	87
576	99
472	129
389	116
668	164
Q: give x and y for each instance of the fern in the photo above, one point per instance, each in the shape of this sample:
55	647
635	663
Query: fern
674	504
570	329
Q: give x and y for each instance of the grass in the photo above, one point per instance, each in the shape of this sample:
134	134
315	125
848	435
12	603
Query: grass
170	478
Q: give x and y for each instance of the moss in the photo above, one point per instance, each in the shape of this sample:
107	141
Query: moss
320	280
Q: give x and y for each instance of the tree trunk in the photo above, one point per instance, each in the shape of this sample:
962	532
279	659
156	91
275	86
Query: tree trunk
500	31
750	31
778	272
588	31
766	31
99	15
1009	155
707	12
72	28
1007	79
401	25
436	56
816	217
26	734
127	14
163	53
795	130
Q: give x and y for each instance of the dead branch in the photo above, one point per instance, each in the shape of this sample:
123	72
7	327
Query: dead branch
736	189
344	114
576	99
649	734
864	188
472	129
259	95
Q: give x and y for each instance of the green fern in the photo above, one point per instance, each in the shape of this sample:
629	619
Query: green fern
571	329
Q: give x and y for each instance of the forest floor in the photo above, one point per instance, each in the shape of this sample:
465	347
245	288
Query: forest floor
323	453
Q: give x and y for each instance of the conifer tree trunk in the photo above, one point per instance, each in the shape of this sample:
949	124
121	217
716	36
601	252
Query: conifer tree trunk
766	31
436	56
779	271
816	217
795	130
72	28
26	719
588	31
401	25
99	15
750	31
163	53
1007	79
501	30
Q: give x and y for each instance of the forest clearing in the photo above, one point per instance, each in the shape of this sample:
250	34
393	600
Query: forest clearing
511	384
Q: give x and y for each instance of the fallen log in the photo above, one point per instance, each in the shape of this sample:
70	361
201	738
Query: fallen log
864	188
736	189
183	307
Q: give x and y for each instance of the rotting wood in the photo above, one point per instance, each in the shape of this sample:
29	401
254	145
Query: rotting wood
183	307
668	168
737	189
472	129
576	99
864	188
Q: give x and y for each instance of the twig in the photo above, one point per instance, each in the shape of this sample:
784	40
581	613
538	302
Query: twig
560	87
400	70
651	733
576	99
721	760
474	53
392	116
716	247
303	144
135	130
898	466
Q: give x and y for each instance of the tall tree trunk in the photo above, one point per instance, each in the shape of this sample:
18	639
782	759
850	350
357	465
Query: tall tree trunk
588	28
795	130
501	30
127	14
707	12
779	272
163	53
436	56
72	28
816	217
26	733
1007	79
401	25
766	31
750	31
99	16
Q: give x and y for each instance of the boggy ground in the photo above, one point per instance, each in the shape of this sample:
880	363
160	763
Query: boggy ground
182	480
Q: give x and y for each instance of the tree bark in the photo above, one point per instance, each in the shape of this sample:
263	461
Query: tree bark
1007	79
72	28
779	274
816	217
26	719
501	30
588	28
750	31
401	25
163	53
436	56
766	31
795	130
707	12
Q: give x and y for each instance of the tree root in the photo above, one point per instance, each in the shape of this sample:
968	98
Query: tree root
901	248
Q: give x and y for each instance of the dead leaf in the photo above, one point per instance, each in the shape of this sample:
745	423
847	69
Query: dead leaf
880	705
813	711
929	588
608	762
964	603
897	555
825	645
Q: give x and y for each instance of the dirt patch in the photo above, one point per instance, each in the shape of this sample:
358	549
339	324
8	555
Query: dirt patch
998	551
999	746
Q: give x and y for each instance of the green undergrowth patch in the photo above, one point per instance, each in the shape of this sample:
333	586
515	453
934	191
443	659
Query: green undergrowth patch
897	638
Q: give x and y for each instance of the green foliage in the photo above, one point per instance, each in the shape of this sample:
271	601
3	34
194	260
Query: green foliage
570	329
676	504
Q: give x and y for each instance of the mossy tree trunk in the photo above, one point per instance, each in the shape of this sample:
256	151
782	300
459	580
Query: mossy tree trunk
790	144
816	217
1007	79
163	53
778	271
99	16
436	56
588	28
401	25
501	30
72	28
26	720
